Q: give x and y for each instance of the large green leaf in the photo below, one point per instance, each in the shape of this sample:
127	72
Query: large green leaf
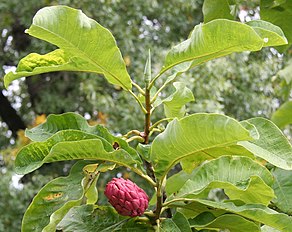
283	115
55	123
104	219
194	136
70	145
54	200
229	222
279	14
84	46
272	145
214	39
216	9
240	177
283	190
255	212
174	105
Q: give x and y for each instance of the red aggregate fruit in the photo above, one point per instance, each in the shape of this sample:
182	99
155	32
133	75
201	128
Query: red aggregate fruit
126	197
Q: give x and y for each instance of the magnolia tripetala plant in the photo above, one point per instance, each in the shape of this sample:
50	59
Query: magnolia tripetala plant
209	150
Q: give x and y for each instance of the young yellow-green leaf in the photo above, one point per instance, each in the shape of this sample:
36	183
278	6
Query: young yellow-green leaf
271	34
194	136
54	200
216	9
283	116
84	46
229	222
240	177
256	212
174	105
215	39
272	145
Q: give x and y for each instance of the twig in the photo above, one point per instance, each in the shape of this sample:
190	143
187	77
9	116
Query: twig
139	102
137	137
139	88
158	122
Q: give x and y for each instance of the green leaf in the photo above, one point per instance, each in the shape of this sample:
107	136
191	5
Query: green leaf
54	200
215	39
55	123
282	116
279	14
176	181
144	151
216	9
30	157
255	212
283	190
104	219
195	209
240	177
178	223
271	34
229	222
272	145
176	71
194	136
70	145
84	46
181	222
174	105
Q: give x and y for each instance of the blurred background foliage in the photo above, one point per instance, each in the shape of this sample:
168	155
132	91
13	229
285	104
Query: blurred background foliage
240	85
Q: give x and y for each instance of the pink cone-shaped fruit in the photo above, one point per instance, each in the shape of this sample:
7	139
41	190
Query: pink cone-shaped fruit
126	197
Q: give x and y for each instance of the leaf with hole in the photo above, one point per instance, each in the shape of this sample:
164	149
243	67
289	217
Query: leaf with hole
54	200
70	145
